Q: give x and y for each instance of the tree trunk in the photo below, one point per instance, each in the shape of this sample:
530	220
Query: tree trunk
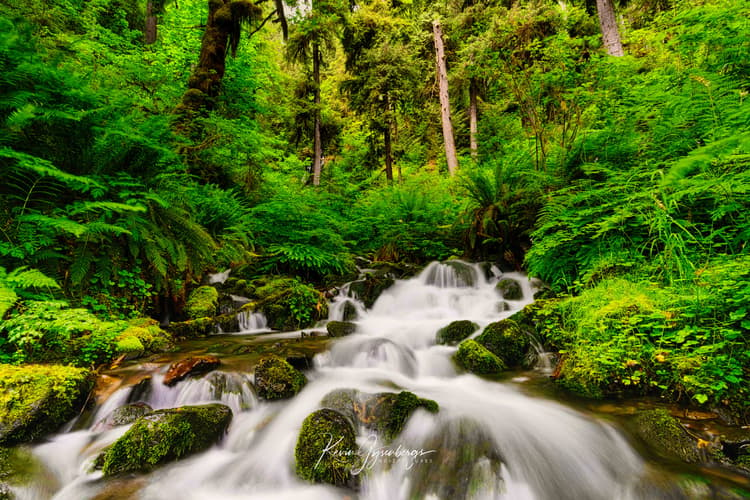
150	23
387	143
610	31
317	146
445	106
473	91
222	33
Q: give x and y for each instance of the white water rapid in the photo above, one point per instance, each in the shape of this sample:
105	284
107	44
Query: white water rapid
488	441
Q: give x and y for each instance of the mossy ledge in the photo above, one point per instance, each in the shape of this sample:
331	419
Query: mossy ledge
166	435
455	332
505	340
476	358
327	450
203	302
37	399
276	379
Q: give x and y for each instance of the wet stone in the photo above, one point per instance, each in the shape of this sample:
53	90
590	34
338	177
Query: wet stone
190	367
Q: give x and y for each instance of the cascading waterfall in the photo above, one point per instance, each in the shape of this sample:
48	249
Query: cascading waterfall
488	441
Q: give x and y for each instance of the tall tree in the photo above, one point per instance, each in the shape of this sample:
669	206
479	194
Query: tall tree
314	34
382	70
445	105
610	31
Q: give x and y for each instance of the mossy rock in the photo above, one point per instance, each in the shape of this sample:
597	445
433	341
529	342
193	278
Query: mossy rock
510	289
37	399
664	435
148	332
277	379
203	302
192	329
327	450
131	347
455	332
384	412
369	289
127	414
166	435
506	340
350	311
476	358
340	328
396	410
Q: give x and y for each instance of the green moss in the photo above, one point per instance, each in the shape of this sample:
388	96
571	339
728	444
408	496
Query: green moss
403	405
506	340
147	330
129	345
340	328
37	399
191	329
455	332
664	434
202	302
327	450
510	289
277	379
166	435
475	358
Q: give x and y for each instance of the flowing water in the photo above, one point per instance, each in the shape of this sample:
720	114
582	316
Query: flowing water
489	440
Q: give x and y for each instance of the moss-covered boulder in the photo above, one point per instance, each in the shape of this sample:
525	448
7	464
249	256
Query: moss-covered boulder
148	333
476	358
350	311
191	329
275	379
510	289
289	304
327	450
130	347
37	399
384	412
664	435
190	367
166	435
340	328
202	302
370	288
506	340
455	332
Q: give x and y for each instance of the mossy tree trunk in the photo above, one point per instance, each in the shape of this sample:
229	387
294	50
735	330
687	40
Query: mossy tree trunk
223	27
473	118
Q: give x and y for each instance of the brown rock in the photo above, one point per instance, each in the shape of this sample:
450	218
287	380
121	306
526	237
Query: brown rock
190	366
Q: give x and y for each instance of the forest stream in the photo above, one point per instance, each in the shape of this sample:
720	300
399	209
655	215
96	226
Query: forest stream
490	438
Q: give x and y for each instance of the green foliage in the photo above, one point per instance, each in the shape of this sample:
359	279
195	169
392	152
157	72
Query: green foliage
202	302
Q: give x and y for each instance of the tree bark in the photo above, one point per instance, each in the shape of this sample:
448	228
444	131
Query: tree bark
473	127
150	23
387	143
445	106
317	146
610	31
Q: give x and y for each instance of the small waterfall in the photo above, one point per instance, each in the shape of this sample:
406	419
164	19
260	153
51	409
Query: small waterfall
451	274
252	322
